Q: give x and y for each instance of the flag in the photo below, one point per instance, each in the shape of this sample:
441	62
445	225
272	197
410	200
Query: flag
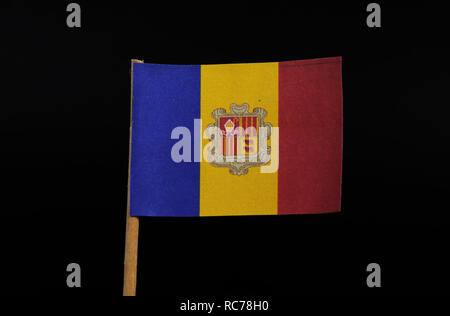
236	139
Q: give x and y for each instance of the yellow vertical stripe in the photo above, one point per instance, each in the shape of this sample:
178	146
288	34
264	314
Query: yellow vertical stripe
222	193
240	125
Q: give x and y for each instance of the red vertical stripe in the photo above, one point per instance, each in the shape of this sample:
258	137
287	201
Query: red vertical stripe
224	148
310	121
253	125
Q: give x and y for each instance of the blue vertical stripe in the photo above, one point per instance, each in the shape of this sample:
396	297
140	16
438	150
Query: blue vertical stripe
164	97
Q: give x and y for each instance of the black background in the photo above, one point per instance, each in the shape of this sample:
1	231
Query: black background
64	152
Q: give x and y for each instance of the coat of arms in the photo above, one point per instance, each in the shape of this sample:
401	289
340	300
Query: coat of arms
239	138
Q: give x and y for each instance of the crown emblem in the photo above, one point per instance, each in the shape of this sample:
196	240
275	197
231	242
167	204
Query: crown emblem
239	138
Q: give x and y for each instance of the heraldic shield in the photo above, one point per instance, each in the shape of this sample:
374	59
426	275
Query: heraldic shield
239	138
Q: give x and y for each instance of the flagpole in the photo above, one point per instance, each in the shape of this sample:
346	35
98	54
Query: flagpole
132	228
131	247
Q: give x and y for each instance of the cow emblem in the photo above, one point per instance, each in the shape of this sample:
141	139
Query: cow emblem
239	138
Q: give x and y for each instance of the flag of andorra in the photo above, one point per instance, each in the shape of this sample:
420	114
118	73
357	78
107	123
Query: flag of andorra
236	139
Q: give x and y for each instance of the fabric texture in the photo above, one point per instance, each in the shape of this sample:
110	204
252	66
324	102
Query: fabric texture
303	99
